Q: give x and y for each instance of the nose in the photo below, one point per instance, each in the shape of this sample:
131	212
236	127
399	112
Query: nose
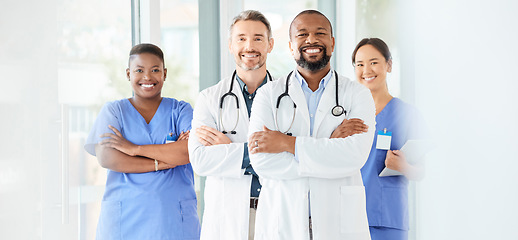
366	68
311	39
249	44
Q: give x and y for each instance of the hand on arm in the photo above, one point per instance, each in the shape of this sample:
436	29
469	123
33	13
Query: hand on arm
268	141
174	154
118	161
396	160
209	136
349	127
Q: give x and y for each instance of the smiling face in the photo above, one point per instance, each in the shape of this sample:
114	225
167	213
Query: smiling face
249	43
147	75
311	41
371	68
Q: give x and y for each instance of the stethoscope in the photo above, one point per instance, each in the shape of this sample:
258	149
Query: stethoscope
230	93
336	111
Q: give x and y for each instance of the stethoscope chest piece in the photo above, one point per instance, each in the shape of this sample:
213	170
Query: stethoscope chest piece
337	110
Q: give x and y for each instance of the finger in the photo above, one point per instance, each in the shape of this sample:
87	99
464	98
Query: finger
108	135
115	130
204	142
265	128
204	134
356	120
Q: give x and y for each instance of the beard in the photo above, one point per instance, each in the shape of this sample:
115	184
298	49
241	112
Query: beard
313	66
243	66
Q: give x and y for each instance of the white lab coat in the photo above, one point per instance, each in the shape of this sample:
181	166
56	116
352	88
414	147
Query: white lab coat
227	189
327	168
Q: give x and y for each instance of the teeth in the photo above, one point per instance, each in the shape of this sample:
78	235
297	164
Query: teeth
370	78
313	50
147	85
250	55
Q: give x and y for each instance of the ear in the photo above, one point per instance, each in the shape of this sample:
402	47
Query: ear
165	73
270	45
389	65
291	49
230	44
333	44
128	73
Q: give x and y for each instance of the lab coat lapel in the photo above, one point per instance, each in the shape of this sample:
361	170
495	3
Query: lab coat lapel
243	112
298	97
327	102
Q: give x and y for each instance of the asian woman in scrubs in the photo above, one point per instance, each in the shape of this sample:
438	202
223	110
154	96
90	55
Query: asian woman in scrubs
387	197
142	142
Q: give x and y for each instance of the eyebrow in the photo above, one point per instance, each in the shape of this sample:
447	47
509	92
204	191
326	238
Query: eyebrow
257	34
305	30
369	59
138	66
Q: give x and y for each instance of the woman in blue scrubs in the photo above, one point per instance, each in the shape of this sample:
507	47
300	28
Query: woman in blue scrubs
142	142
387	197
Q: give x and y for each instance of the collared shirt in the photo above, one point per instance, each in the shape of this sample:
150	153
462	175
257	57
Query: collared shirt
313	98
249	99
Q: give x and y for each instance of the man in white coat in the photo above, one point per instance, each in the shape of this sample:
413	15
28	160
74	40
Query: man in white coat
306	147
219	148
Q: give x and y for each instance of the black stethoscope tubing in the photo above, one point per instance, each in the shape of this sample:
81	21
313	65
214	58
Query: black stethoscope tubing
230	93
337	110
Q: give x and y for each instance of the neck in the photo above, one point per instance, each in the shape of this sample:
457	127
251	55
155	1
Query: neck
381	99
146	103
252	78
313	78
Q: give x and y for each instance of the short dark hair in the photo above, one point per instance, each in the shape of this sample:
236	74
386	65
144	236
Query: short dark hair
310	11
252	15
146	48
377	43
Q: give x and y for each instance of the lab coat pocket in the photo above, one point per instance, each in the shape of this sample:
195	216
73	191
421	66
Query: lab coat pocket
353	216
109	226
190	221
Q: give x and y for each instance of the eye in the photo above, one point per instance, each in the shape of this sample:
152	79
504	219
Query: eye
373	63
155	70
139	70
258	39
320	33
302	35
241	39
359	65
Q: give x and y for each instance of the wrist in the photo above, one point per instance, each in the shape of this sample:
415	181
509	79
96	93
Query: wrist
136	150
290	144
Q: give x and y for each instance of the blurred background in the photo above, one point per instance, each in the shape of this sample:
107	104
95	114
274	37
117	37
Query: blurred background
61	60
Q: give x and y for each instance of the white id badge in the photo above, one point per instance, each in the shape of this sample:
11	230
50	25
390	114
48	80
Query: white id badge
384	139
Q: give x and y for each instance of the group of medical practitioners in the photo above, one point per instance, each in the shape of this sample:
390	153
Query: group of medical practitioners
288	158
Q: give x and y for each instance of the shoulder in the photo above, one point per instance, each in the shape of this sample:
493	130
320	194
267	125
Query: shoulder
216	89
353	88
401	106
351	85
175	104
115	107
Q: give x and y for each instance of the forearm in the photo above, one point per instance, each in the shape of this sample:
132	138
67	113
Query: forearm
333	158
174	153
223	160
117	161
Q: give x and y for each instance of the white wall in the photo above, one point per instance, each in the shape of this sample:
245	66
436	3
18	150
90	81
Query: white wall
465	58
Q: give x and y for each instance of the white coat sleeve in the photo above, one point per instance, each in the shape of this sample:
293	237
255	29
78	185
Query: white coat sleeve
224	160
269	165
340	157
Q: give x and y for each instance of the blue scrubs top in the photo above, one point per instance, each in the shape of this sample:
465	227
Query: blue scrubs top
387	197
153	205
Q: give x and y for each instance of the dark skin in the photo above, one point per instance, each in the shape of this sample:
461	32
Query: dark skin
146	74
311	33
